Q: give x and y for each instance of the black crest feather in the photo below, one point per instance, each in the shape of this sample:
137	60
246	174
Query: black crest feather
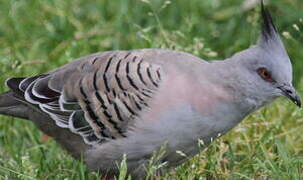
269	30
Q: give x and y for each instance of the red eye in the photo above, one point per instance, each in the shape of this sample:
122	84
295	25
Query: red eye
263	72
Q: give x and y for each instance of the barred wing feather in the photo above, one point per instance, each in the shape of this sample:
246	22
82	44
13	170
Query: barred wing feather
97	97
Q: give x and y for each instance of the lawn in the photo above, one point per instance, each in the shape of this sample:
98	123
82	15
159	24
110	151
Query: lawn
37	36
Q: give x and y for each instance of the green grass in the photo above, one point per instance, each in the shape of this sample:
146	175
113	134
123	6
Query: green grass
37	36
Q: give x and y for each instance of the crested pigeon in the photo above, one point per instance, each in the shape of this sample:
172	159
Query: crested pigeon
110	104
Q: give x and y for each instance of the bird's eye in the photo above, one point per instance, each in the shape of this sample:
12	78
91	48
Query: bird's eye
265	74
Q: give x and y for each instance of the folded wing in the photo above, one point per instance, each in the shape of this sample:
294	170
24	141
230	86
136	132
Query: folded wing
98	97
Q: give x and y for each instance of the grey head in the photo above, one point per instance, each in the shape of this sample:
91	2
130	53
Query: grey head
266	66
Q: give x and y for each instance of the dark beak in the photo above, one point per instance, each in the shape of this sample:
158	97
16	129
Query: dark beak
291	94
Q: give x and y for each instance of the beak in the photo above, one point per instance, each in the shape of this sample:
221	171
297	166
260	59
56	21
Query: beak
290	93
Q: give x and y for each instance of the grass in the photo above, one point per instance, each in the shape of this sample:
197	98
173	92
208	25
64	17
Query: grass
37	36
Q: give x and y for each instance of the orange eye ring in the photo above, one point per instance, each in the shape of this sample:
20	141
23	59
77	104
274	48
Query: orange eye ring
265	74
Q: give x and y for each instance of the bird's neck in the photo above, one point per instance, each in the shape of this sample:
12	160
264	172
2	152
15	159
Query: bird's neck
233	80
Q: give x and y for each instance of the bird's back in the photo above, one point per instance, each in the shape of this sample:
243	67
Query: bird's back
100	96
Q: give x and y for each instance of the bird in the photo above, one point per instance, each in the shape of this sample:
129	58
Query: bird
126	104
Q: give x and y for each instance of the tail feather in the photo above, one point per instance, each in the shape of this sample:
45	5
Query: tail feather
12	107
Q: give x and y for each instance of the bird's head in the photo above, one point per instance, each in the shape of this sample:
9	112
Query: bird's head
268	64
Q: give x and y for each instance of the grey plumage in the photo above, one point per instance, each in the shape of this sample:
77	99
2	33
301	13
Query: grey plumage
132	102
12	107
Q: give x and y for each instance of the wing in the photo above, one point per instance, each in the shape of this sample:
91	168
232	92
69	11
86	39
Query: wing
98	97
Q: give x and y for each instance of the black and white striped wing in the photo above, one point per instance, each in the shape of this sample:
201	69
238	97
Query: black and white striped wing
98	97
